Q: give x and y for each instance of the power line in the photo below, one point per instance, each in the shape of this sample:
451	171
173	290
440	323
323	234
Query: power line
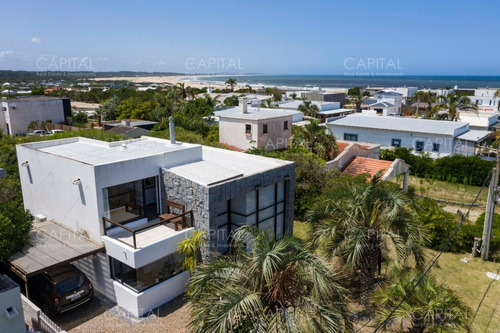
436	257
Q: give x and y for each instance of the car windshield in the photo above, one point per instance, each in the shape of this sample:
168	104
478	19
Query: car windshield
70	284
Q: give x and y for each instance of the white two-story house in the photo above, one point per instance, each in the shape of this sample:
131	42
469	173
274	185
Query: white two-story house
383	103
115	193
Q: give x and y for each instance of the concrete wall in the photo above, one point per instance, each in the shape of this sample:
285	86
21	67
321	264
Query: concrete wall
384	137
354	149
11	308
203	200
141	304
19	114
277	137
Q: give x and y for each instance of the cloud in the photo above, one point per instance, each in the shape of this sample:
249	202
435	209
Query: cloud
6	53
36	40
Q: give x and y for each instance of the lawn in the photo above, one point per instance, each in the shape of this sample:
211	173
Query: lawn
468	280
446	191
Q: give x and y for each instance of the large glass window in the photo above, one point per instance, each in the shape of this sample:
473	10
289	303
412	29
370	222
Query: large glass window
264	208
350	137
139	279
131	201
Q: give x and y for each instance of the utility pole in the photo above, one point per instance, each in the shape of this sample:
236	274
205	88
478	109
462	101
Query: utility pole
490	210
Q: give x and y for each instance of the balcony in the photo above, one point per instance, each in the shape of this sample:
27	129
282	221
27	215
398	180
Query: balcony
141	242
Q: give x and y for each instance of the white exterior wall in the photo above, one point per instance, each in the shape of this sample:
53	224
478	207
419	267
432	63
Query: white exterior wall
486	104
384	137
18	115
141	304
232	132
407	92
13	321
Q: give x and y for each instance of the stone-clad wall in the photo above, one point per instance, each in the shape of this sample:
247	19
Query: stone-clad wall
203	200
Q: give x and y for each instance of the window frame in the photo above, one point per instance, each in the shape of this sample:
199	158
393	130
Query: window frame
434	145
265	129
393	140
248	128
417	144
347	136
285	125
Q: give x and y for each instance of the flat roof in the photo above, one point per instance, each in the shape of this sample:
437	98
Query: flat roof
398	124
255	113
474	135
50	245
296	104
31	99
95	152
336	111
220	165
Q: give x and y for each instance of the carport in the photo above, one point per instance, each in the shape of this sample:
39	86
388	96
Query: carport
50	245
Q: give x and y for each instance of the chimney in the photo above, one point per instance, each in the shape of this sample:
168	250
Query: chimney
126	122
171	127
242	103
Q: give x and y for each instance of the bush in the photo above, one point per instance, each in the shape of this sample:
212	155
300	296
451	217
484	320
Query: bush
15	224
467	170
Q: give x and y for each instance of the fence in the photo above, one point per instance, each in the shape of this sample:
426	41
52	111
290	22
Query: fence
67	128
36	319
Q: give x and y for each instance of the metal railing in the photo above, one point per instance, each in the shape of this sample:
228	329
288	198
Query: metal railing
185	216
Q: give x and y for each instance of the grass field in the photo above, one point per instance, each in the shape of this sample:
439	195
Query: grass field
468	280
446	191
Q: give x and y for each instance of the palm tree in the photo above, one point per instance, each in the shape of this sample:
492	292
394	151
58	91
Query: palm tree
317	139
190	248
308	108
293	96
432	307
231	82
425	97
454	103
182	89
356	220
497	93
276	286
249	88
268	104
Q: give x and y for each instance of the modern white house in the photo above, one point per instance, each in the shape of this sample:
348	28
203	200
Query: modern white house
479	120
18	113
485	100
436	137
11	308
247	127
383	103
115	194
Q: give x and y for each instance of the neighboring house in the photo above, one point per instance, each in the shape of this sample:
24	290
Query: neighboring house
436	137
246	127
129	132
383	103
326	109
362	158
144	124
406	92
485	100
11	308
321	96
479	120
18	113
115	193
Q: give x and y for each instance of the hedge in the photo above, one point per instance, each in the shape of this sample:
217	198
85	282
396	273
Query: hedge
468	170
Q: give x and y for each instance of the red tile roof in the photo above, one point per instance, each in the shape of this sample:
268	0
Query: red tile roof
365	165
342	146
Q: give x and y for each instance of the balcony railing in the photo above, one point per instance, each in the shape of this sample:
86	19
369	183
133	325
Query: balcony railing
186	218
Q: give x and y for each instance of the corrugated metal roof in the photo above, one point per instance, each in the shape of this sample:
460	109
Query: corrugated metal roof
474	135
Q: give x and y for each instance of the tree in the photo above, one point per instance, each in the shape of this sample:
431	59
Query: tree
181	87
231	100
15	224
80	118
275	286
317	139
453	103
190	248
308	108
497	93
355	220
293	96
249	88
108	110
232	83
268	104
432	307
33	125
424	97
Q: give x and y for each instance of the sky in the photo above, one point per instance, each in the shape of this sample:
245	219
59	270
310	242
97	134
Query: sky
422	37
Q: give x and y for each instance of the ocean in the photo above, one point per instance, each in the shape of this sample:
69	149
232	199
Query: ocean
341	81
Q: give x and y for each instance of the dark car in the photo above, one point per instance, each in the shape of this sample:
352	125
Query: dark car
60	289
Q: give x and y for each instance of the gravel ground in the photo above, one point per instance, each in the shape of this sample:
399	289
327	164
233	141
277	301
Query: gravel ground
101	315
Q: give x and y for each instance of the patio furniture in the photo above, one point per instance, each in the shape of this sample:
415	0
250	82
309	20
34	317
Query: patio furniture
175	214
